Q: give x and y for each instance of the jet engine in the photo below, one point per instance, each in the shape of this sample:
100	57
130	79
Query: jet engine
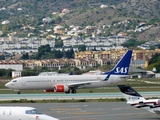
61	88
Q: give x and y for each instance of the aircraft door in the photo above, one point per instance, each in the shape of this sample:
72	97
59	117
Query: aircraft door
23	81
37	118
1	112
9	113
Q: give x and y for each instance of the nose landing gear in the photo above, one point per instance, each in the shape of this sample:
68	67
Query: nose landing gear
18	91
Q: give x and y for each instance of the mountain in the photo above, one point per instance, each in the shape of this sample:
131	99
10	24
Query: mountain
147	9
31	12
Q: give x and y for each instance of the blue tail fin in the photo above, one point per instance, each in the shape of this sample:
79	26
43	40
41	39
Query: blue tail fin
122	66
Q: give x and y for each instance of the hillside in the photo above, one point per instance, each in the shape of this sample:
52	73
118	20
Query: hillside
31	12
150	35
147	9
94	16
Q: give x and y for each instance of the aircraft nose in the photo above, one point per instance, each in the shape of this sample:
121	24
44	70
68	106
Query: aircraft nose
7	85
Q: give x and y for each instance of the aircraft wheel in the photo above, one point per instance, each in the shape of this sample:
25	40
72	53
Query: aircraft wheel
74	91
67	92
19	92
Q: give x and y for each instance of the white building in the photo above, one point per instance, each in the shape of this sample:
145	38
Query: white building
5	22
14	66
48	19
16	74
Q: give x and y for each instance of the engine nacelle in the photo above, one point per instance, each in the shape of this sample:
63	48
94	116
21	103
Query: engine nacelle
61	88
49	90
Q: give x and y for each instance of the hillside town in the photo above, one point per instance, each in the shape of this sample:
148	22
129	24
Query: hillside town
84	59
94	37
71	38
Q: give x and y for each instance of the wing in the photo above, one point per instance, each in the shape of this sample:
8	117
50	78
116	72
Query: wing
80	84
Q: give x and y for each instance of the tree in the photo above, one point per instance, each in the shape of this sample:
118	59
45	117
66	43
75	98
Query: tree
57	19
132	43
81	47
77	71
81	35
25	56
43	50
155	58
29	73
154	62
58	43
2	57
2	72
69	53
9	72
58	54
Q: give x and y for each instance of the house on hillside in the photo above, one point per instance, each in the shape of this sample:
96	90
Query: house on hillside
5	22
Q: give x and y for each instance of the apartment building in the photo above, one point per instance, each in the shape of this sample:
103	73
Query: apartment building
84	59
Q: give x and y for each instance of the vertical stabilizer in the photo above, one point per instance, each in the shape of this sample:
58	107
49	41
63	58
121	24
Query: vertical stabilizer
122	67
132	96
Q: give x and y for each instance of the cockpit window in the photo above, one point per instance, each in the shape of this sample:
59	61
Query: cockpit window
14	80
33	111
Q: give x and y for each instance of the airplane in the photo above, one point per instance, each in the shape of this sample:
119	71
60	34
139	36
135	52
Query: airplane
72	82
22	113
135	99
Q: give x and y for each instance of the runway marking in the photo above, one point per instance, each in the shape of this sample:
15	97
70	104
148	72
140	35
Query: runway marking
65	109
81	110
96	116
88	119
84	113
90	111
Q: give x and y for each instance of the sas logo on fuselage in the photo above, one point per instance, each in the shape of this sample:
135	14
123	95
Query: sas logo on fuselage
121	70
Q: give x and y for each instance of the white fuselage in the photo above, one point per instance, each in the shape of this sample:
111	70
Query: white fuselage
48	82
22	113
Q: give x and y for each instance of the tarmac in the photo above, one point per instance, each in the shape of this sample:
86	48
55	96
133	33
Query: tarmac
91	111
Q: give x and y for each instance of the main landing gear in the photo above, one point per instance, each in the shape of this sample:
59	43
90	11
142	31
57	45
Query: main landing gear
73	91
19	92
